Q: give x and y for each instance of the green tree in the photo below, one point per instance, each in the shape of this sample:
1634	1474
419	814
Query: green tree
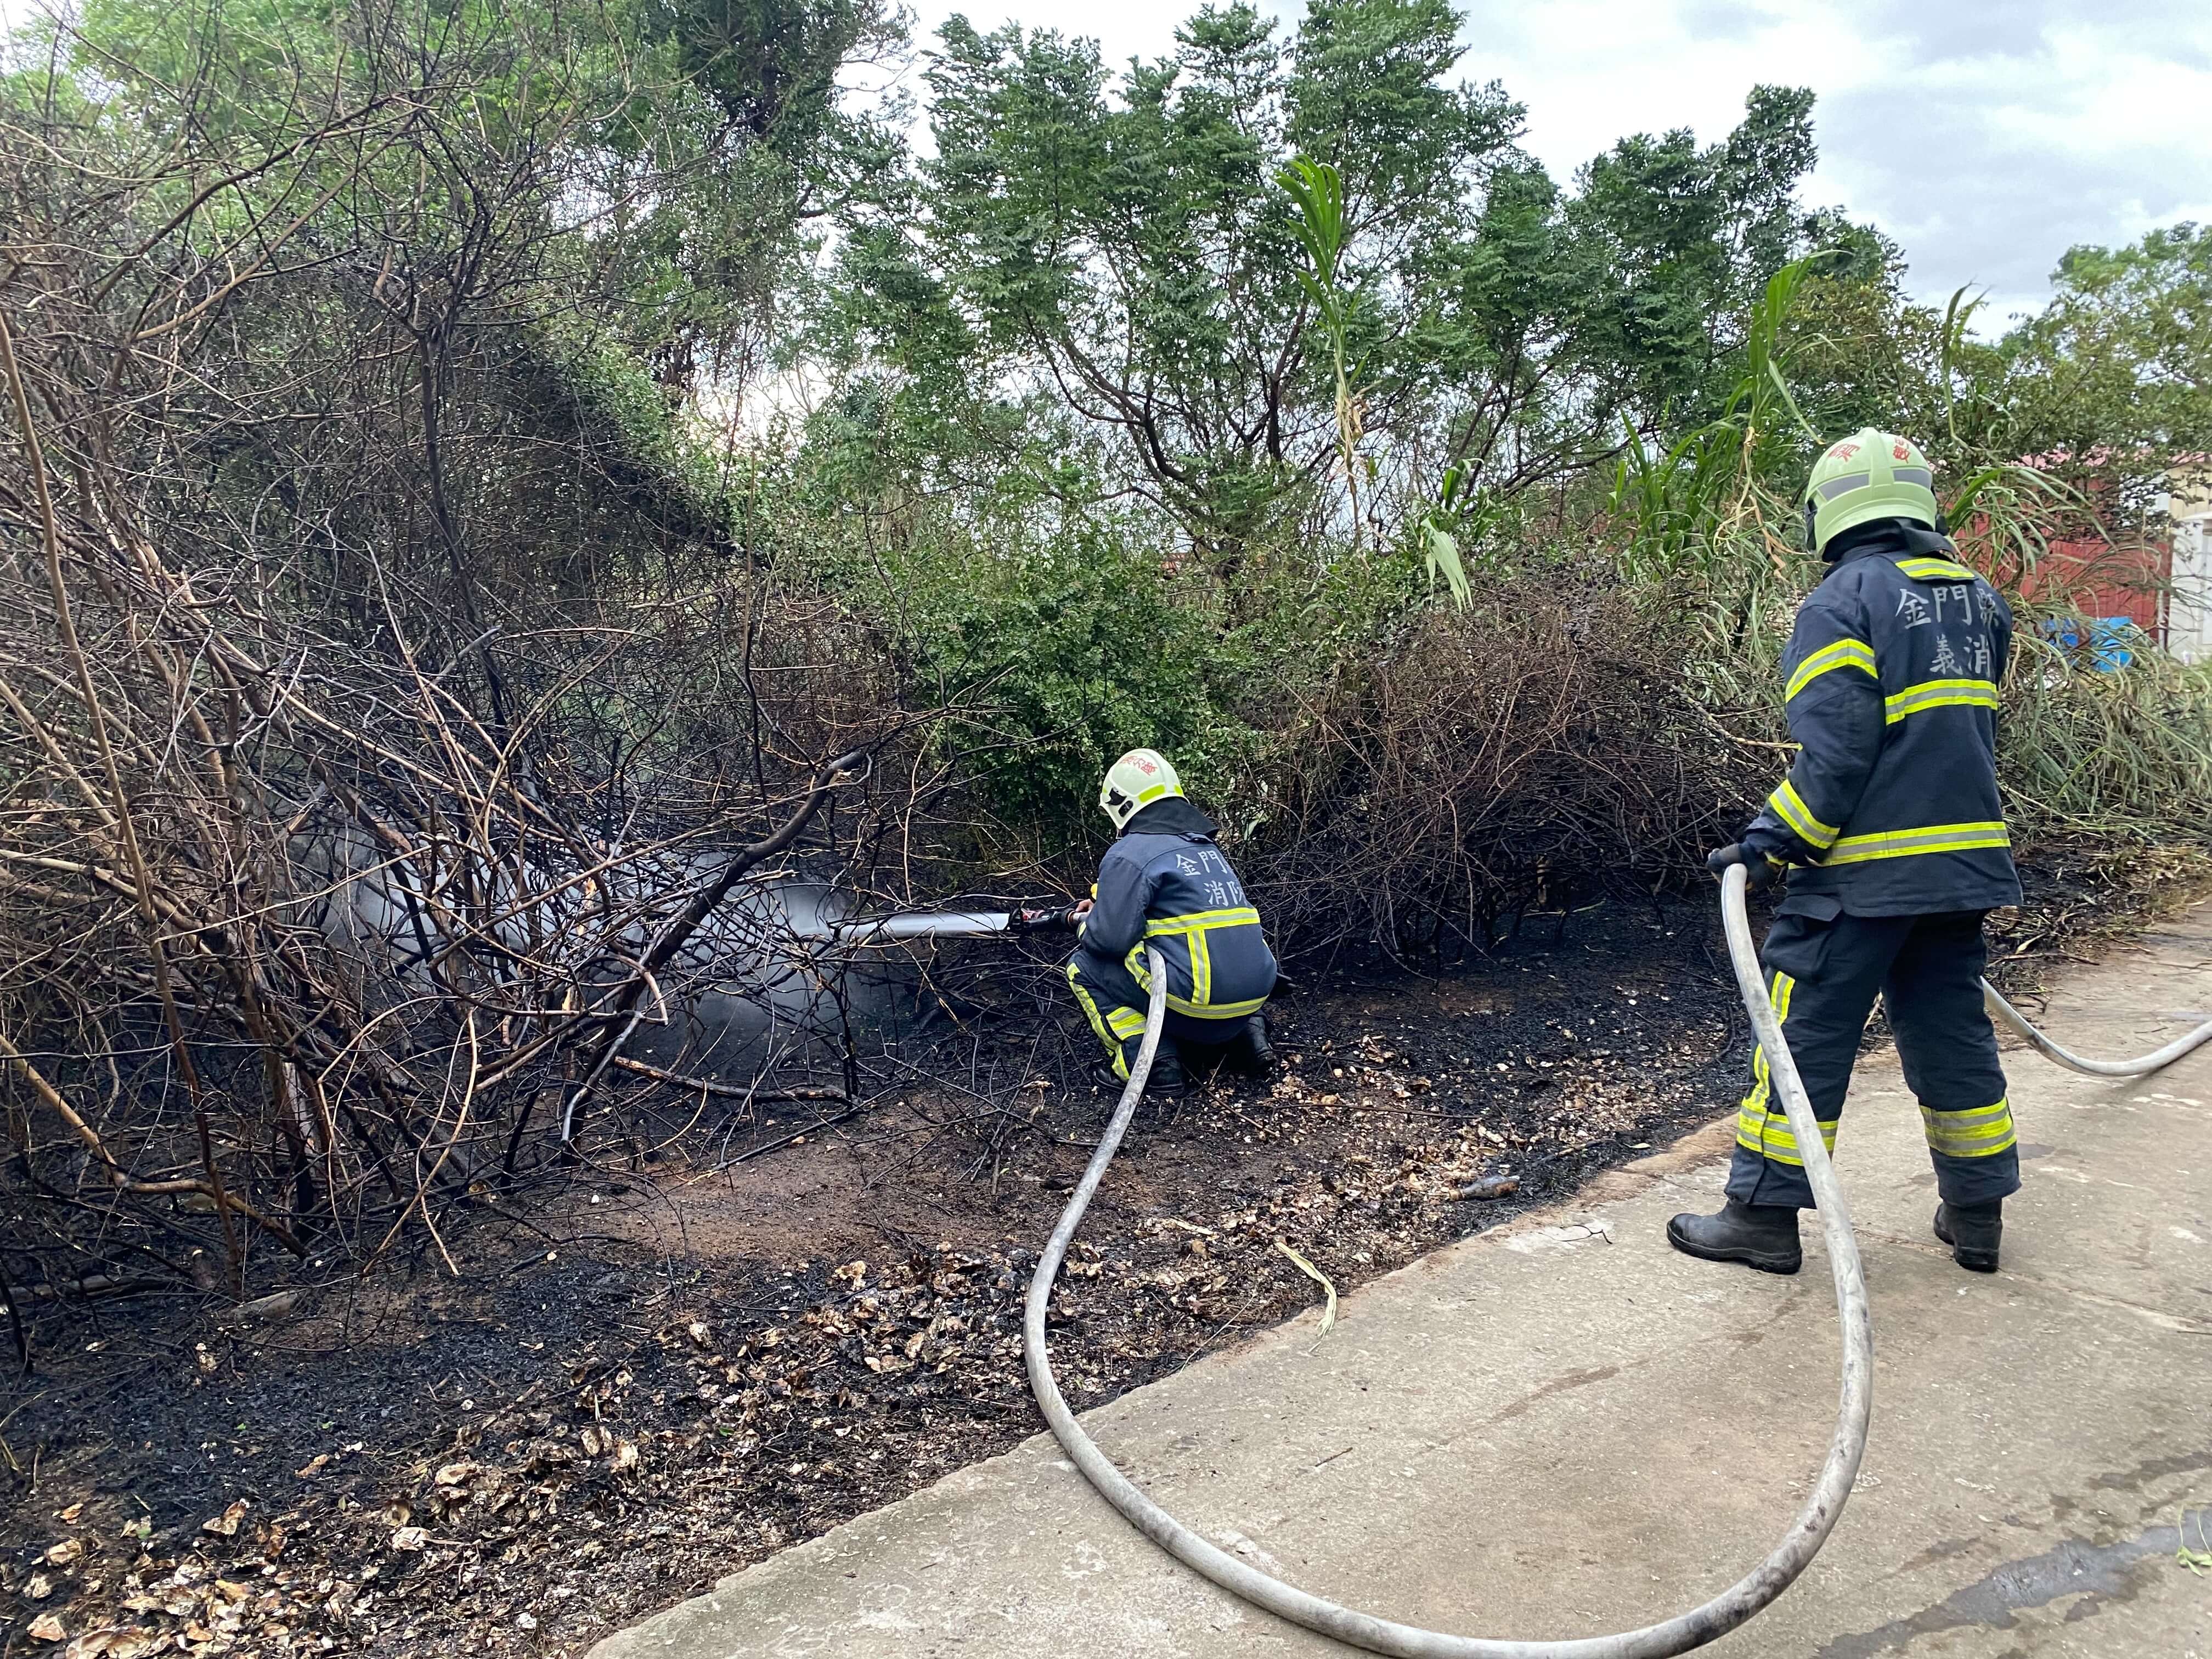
2116	371
1123	245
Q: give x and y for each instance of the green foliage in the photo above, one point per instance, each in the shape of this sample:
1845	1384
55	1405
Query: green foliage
2090	757
1458	512
1317	189
1062	639
1157	405
2116	757
661	157
2116	373
2198	1560
2104	389
1693	510
1237	262
1680	241
1294	293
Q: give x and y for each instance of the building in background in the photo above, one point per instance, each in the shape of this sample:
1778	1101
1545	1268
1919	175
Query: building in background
2162	586
2186	628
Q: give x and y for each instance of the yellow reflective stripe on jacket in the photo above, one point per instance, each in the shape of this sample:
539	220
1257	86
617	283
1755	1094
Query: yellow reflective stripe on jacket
1843	653
1930	838
1980	1133
1202	985
1938	694
1217	1010
1935	569
1790	806
1193	929
1243	917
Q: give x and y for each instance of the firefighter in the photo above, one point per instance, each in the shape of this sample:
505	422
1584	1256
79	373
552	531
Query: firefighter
1165	883
1891	819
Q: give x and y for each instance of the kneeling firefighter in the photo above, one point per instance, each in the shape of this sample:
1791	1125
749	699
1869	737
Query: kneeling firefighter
1891	812
1164	883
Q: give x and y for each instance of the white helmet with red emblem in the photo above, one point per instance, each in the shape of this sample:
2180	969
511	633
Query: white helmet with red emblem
1134	782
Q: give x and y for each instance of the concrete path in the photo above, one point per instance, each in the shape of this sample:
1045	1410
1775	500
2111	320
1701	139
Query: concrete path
1564	1428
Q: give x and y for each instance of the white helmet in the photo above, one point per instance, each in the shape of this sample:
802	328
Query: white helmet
1134	782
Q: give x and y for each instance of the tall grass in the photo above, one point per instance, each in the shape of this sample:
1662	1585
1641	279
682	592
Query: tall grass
2125	757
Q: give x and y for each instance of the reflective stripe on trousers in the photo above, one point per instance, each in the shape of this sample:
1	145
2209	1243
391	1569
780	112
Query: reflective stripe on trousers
1981	1132
1759	1127
1824	971
1116	1024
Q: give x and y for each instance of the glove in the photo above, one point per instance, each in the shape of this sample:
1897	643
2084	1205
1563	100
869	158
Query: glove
1759	868
1056	922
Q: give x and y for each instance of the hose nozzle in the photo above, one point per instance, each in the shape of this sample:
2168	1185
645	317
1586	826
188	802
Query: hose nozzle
1061	920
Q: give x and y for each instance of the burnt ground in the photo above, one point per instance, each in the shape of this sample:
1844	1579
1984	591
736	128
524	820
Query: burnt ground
744	1337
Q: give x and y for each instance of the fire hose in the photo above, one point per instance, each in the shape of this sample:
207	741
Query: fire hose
909	926
1703	1624
2157	1059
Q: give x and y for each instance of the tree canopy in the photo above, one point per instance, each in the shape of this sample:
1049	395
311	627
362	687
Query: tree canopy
1123	245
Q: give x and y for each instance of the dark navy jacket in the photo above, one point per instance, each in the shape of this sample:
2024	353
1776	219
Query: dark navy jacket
1891	684
1165	883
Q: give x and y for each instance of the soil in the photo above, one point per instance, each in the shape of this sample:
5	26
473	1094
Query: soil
764	1329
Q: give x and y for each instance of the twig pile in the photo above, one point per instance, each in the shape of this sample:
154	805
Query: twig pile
346	832
1525	759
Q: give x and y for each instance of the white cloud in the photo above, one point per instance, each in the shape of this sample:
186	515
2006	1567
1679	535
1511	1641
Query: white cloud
1593	70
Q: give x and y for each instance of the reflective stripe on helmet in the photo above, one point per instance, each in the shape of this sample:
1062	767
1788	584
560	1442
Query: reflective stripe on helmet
1867	476
1134	782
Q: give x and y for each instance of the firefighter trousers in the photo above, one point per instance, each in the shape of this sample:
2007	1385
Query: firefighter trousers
1824	969
1114	1004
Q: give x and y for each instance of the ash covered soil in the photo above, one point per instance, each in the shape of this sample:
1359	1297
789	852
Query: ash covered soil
685	1366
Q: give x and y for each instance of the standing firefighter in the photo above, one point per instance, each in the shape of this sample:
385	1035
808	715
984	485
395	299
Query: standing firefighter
1164	883
1891	808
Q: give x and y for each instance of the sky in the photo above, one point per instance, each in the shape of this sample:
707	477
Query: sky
1987	137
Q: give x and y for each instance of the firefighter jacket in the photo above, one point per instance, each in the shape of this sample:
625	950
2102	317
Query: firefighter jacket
1891	687
1165	883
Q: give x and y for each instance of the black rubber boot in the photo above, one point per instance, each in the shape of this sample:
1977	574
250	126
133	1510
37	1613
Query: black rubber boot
1166	1077
1249	1054
1973	1232
1761	1236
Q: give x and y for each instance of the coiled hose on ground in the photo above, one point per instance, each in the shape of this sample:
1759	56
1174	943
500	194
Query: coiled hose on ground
1680	1634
